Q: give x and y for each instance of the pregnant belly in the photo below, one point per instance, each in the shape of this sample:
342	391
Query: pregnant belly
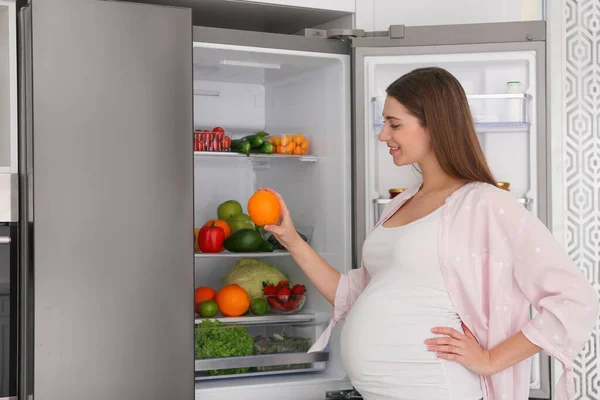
383	348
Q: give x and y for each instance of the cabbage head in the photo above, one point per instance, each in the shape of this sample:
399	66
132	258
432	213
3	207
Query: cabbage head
250	274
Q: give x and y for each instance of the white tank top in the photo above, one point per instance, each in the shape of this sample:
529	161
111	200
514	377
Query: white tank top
382	343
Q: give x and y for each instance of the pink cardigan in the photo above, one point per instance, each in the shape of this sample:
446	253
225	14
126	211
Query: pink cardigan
497	259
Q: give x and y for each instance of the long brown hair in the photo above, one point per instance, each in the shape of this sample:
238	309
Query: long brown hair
437	99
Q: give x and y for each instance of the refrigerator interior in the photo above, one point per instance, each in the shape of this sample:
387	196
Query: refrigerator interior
505	123
248	89
506	126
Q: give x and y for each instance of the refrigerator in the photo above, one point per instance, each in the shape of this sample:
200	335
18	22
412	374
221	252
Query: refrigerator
111	183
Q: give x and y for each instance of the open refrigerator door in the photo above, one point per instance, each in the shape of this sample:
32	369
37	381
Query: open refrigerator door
504	79
294	94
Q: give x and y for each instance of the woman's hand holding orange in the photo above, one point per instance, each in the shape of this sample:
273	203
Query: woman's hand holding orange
283	230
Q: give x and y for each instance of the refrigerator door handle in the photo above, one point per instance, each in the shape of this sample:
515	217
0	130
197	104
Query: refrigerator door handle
4	240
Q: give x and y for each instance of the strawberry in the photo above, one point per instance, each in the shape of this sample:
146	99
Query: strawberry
290	305
274	303
270	290
283	294
298	289
283	284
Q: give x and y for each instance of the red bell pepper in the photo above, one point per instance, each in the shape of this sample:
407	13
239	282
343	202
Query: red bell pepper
211	238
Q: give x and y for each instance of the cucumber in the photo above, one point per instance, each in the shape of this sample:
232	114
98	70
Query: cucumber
240	146
254	140
266	148
262	134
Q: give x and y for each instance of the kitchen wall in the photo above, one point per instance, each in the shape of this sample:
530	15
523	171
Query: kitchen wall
578	185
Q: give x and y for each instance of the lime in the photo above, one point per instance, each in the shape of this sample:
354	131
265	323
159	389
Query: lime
258	306
208	308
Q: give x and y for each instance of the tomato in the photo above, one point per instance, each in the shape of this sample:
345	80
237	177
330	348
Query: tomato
218	129
216	145
226	143
196	141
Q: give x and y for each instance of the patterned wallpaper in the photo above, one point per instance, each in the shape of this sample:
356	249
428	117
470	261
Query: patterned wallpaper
582	164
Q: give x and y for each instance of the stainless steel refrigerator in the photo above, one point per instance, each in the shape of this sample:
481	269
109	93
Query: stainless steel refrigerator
107	200
110	188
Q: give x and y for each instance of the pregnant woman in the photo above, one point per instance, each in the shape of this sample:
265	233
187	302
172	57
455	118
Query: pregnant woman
439	310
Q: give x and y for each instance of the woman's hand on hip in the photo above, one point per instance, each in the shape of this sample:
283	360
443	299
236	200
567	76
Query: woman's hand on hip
462	348
283	230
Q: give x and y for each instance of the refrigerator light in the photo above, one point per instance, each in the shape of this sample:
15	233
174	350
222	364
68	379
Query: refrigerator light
250	64
207	92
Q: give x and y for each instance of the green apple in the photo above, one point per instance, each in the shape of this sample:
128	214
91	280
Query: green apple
229	209
236	225
241	217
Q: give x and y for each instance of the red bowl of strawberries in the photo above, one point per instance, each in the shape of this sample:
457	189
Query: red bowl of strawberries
284	299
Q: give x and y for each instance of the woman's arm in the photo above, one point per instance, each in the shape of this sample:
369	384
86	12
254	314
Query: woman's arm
466	350
510	352
322	275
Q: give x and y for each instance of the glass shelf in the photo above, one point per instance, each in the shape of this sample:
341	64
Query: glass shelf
228	254
228	154
270	319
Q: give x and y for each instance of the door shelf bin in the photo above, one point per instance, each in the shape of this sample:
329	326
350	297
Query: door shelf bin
491	112
252	350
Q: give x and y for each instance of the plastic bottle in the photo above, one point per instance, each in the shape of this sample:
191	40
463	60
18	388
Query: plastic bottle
514	106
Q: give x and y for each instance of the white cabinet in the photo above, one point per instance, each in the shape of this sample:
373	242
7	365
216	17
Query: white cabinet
8	87
380	14
333	5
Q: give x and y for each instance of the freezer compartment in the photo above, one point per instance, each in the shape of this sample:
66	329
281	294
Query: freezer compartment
235	350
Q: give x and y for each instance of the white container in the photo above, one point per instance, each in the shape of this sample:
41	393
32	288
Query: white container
514	109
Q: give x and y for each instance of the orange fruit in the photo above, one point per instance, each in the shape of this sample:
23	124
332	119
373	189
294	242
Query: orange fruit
289	148
232	300
264	208
201	294
221	224
299	139
298	150
305	144
280	149
287	139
